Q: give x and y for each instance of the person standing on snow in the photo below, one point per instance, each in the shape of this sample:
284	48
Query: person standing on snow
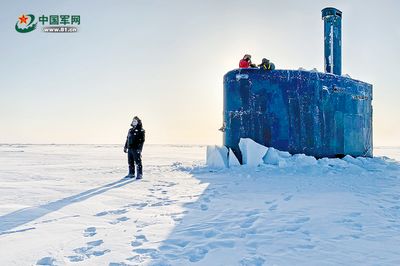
134	146
246	62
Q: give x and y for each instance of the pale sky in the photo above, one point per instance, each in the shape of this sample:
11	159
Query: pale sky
164	61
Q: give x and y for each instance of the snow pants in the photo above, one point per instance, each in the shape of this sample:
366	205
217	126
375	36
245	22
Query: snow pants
135	157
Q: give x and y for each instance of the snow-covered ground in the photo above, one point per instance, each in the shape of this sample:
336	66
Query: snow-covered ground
67	205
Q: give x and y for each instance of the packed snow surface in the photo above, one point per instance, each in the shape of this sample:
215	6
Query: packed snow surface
67	205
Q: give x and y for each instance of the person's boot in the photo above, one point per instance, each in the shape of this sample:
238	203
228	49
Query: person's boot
139	170
131	173
139	176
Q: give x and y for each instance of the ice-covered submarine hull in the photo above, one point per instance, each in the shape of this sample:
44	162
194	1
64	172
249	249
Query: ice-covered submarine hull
318	114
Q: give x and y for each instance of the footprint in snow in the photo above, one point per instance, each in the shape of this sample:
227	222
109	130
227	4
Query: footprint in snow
304	247
177	216
139	240
253	212
357	226
138	206
141	224
176	219
302	220
396	197
273	207
248	222
354	214
147	252
90	231
221	244
203	207
95	243
196	254
254	261
88	251
165	184
114	212
350	224
153	190
206	199
210	233
163	202
47	261
175	247
344	221
177	242
120	219
288	198
347	237
289	229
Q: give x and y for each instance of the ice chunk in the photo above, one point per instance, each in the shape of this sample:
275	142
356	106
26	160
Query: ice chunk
217	156
252	152
333	162
272	156
276	157
302	160
233	161
284	154
352	160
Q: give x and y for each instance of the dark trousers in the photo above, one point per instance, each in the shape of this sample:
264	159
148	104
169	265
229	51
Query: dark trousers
135	157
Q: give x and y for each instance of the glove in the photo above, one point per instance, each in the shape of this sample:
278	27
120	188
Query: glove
125	150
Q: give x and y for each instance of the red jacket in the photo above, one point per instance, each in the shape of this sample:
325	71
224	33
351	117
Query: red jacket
244	64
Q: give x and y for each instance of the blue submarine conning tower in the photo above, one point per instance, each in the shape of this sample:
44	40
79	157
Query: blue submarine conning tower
318	114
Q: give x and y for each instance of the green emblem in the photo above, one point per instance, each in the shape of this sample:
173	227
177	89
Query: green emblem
23	20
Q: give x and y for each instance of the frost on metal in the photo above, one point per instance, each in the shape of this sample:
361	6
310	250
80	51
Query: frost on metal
241	76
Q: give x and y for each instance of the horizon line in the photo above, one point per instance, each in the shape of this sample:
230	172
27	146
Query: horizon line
181	144
155	144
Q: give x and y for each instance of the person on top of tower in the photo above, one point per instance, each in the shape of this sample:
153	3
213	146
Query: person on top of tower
266	64
246	62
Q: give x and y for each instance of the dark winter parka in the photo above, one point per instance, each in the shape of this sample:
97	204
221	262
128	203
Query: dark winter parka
269	66
136	136
266	65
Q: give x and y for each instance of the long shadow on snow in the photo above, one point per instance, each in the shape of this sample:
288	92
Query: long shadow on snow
23	216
